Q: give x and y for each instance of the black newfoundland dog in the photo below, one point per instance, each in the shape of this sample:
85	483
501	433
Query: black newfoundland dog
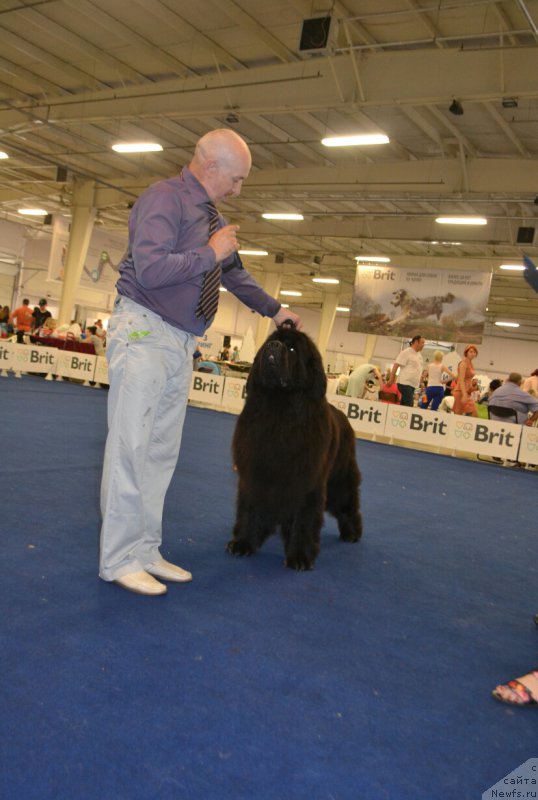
294	453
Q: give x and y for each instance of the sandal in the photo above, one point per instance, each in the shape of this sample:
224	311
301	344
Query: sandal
517	693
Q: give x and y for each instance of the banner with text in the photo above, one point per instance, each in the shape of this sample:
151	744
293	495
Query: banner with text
26	358
364	416
443	305
75	365
206	388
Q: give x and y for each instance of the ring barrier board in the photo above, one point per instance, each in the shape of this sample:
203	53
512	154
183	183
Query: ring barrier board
80	366
207	388
234	394
528	449
365	416
6	355
28	358
101	370
486	437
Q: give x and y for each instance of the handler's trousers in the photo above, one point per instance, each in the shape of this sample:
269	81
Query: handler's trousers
150	368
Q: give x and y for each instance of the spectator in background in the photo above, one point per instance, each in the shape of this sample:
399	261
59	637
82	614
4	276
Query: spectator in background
225	354
530	384
511	395
435	389
22	319
494	384
40	314
389	392
6	328
463	404
410	364
235	354
96	340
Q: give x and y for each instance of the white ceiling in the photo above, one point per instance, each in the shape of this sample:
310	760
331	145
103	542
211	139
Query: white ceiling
78	75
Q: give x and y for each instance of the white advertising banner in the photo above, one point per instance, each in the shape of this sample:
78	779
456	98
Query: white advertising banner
206	388
528	449
210	344
419	425
364	416
443	305
101	370
234	394
26	358
6	354
80	366
486	437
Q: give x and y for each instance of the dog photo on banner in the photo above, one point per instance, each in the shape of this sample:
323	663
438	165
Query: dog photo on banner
439	304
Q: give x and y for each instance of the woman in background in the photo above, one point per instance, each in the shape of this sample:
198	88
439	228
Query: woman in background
435	389
463	404
530	384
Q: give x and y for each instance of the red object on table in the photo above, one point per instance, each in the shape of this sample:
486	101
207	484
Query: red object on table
64	344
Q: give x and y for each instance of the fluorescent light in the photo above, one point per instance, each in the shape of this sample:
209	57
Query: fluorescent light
298	217
33	212
354	141
381	259
3	155
291	293
285	305
253	252
222	289
325	280
342	308
515	267
137	147
462	220
507	324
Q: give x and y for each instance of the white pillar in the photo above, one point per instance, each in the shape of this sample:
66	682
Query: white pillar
371	340
83	215
328	313
272	282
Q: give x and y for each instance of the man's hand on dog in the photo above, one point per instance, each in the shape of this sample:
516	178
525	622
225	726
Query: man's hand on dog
286	318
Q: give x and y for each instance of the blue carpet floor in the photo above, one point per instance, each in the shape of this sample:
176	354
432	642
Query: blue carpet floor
368	678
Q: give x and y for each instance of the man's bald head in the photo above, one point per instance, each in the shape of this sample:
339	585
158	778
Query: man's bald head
221	162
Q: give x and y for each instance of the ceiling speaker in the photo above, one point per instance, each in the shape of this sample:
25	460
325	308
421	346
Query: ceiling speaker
317	35
525	235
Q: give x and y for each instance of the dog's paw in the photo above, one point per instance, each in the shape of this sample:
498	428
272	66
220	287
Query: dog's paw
350	536
298	563
238	548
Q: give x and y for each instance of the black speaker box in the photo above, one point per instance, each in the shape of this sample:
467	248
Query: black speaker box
47	220
61	174
315	34
525	235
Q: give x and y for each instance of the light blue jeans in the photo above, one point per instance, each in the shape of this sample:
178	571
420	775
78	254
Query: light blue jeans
150	369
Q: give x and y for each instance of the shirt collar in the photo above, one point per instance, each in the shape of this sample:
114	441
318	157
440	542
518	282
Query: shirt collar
198	193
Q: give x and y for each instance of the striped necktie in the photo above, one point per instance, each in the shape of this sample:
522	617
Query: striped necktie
209	296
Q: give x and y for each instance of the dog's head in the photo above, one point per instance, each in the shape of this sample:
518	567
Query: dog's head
399	296
288	361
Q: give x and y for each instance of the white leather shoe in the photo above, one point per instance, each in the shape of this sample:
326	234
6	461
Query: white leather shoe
169	572
141	583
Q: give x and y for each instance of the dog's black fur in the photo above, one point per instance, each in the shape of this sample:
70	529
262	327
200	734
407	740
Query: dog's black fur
294	453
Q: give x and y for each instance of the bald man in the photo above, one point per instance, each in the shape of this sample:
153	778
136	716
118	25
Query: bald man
179	249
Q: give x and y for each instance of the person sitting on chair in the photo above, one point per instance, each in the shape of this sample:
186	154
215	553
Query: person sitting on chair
511	395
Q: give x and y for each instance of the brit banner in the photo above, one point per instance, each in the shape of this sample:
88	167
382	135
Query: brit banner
443	305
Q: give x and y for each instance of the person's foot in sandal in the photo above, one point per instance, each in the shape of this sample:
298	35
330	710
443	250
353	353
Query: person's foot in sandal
519	692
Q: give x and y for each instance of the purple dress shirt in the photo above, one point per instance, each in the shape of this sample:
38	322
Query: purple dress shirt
168	256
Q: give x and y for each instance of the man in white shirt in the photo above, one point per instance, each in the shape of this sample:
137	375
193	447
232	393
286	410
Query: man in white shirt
410	364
